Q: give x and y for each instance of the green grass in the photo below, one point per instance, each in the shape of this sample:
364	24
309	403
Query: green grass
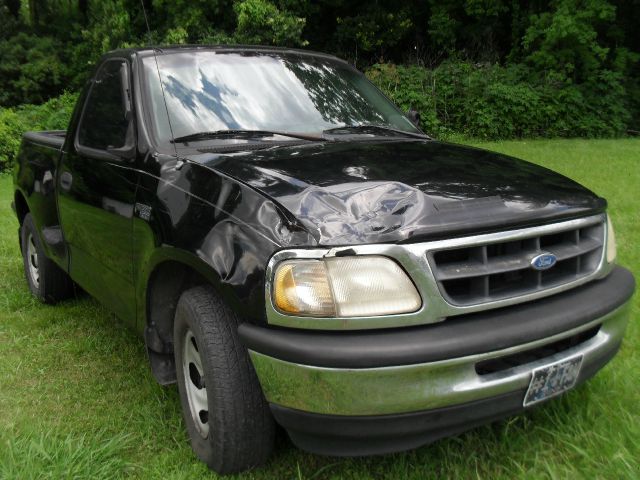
77	399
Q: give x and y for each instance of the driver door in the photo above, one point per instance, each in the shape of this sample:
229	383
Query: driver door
97	186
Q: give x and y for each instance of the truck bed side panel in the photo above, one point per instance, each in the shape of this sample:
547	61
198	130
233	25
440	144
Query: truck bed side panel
49	138
34	177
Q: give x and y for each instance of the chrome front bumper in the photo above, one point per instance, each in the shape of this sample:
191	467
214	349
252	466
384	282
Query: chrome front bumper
424	386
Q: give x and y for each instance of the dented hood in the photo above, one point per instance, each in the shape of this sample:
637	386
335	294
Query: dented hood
347	193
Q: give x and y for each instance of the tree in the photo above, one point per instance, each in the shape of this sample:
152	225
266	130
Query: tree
566	40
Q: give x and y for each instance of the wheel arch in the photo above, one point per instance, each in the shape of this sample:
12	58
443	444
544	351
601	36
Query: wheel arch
172	273
166	283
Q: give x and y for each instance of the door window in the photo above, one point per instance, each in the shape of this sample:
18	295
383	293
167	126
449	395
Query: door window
104	122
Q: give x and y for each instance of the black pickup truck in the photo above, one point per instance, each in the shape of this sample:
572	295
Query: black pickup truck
295	251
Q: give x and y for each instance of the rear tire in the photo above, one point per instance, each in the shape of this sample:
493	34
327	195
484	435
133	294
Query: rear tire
47	282
227	417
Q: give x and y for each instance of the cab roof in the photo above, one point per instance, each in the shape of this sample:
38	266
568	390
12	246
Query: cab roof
219	48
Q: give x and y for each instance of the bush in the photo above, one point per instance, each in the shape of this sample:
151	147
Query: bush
52	115
494	102
31	67
10	135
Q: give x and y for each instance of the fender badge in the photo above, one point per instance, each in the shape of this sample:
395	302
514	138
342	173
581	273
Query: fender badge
143	211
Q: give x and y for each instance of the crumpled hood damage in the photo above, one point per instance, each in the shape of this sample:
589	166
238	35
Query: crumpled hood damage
393	191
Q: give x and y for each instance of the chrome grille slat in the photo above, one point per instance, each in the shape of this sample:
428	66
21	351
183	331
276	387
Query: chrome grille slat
482	273
569	251
477	269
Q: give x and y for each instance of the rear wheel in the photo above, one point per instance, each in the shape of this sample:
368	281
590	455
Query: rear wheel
228	420
47	282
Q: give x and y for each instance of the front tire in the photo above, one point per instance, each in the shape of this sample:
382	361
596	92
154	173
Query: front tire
47	282
228	420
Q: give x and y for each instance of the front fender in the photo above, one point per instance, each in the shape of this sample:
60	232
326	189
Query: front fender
215	225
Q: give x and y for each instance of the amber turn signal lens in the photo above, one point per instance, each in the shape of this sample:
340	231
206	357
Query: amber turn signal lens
302	288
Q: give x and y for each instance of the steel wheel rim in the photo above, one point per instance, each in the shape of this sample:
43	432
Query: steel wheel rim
195	384
32	259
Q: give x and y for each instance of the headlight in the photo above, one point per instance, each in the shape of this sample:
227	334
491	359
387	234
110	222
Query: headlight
359	286
611	242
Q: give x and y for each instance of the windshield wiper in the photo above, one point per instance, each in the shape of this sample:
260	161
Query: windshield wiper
244	134
363	128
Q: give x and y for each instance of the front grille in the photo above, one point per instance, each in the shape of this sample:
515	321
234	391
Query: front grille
476	274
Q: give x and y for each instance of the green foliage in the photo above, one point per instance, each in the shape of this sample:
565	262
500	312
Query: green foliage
261	22
442	28
226	21
30	69
373	31
11	129
52	115
565	40
190	21
494	102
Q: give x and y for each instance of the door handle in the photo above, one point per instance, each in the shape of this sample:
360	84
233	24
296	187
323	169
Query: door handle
66	179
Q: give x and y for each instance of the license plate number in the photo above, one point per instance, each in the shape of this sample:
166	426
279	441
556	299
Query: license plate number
552	380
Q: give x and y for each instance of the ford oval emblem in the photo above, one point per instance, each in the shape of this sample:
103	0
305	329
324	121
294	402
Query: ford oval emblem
544	261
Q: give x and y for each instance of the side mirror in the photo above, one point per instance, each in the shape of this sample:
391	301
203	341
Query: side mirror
128	150
125	153
414	116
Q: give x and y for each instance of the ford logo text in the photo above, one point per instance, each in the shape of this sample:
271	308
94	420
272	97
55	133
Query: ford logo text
544	261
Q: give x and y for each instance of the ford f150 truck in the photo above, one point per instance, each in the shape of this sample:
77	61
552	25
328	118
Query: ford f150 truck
295	251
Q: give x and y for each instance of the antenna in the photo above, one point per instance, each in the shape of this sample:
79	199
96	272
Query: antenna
164	98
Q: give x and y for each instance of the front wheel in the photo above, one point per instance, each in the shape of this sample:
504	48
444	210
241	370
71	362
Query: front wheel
47	282
228	420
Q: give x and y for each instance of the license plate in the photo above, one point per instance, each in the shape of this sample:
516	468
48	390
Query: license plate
552	380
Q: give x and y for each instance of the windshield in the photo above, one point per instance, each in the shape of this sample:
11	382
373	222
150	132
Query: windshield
212	91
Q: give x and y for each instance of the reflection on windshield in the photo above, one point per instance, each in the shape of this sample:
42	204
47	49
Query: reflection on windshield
207	90
347	105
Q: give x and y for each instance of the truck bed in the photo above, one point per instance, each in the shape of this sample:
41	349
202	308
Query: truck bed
35	171
47	138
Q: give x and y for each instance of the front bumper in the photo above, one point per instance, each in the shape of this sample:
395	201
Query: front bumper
406	387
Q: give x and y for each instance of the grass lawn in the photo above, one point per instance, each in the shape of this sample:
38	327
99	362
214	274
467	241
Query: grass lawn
77	399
